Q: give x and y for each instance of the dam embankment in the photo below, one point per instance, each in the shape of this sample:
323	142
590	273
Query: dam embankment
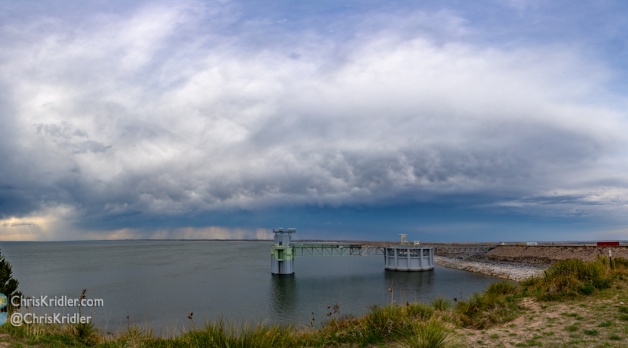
543	254
516	262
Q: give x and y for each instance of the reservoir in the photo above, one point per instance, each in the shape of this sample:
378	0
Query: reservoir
157	284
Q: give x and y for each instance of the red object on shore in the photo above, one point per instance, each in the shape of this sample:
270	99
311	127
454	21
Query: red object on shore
607	243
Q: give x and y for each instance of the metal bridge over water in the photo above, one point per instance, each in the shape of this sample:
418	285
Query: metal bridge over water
336	249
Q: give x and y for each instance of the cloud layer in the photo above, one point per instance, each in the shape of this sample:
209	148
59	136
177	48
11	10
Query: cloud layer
172	111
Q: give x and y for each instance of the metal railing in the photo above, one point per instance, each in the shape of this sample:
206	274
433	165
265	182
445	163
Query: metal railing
336	250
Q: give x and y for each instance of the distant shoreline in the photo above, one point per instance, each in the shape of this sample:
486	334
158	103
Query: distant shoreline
623	243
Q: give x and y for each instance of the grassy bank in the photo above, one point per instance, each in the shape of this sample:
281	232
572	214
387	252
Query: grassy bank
573	304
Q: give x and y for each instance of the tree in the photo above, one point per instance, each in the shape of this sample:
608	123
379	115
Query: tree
8	285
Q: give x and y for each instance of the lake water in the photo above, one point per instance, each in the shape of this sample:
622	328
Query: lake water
158	283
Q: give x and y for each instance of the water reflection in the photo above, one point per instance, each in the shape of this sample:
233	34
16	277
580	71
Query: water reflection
283	295
410	286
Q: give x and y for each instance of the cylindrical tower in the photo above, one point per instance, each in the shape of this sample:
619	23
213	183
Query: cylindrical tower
408	258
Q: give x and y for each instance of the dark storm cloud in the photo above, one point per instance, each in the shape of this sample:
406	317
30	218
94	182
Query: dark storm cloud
162	111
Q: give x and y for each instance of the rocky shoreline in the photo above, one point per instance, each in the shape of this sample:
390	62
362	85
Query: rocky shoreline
507	270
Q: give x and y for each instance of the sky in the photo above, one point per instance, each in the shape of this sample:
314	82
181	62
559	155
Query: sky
488	120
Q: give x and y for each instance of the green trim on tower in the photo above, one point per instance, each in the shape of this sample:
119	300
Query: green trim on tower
282	252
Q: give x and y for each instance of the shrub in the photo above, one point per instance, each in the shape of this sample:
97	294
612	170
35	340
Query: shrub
432	334
569	278
497	304
382	324
86	334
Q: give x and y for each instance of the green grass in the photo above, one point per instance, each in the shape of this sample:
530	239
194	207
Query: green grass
534	343
380	325
614	337
219	334
605	324
591	332
411	325
572	328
